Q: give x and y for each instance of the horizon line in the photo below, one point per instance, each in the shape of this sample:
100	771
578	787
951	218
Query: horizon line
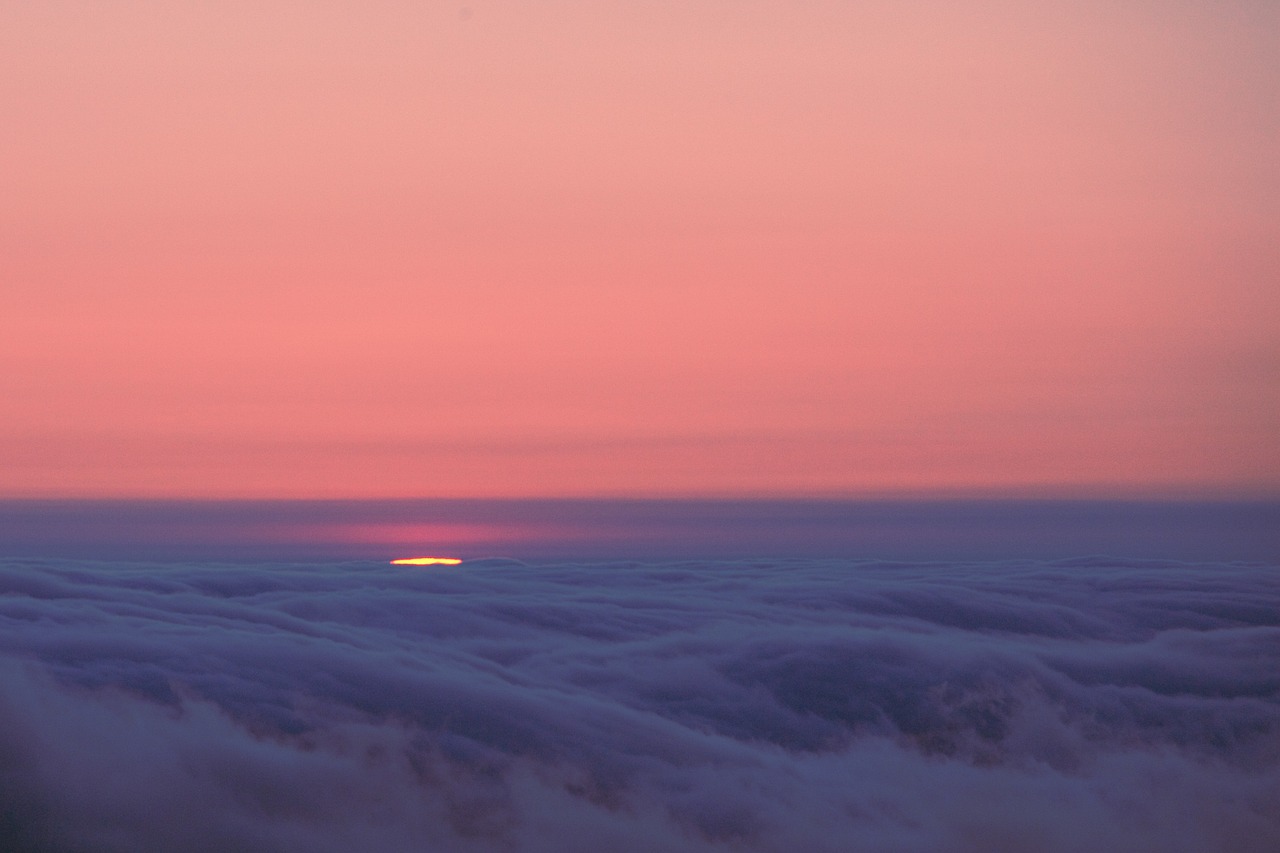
1153	495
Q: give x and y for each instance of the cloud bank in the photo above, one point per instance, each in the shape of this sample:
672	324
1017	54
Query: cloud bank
822	705
651	529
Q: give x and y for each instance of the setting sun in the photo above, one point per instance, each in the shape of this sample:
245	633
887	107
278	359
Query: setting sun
426	561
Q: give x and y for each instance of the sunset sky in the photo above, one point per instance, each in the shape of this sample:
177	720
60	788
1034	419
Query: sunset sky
651	248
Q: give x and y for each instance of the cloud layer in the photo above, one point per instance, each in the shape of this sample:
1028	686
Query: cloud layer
773	705
652	529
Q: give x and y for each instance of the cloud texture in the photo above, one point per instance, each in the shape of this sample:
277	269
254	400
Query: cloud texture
820	705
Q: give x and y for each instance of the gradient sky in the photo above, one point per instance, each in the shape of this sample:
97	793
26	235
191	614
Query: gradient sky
366	249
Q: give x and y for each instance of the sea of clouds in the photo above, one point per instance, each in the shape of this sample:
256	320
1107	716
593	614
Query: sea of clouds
816	705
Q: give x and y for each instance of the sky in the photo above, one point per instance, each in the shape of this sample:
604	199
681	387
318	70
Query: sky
399	249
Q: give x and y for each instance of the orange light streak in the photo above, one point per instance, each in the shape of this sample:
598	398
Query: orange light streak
426	561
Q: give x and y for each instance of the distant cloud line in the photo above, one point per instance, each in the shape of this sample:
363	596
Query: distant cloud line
255	531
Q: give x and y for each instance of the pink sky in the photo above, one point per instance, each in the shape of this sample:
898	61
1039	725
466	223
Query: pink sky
639	248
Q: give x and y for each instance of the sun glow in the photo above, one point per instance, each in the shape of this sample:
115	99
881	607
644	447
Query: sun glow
426	561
